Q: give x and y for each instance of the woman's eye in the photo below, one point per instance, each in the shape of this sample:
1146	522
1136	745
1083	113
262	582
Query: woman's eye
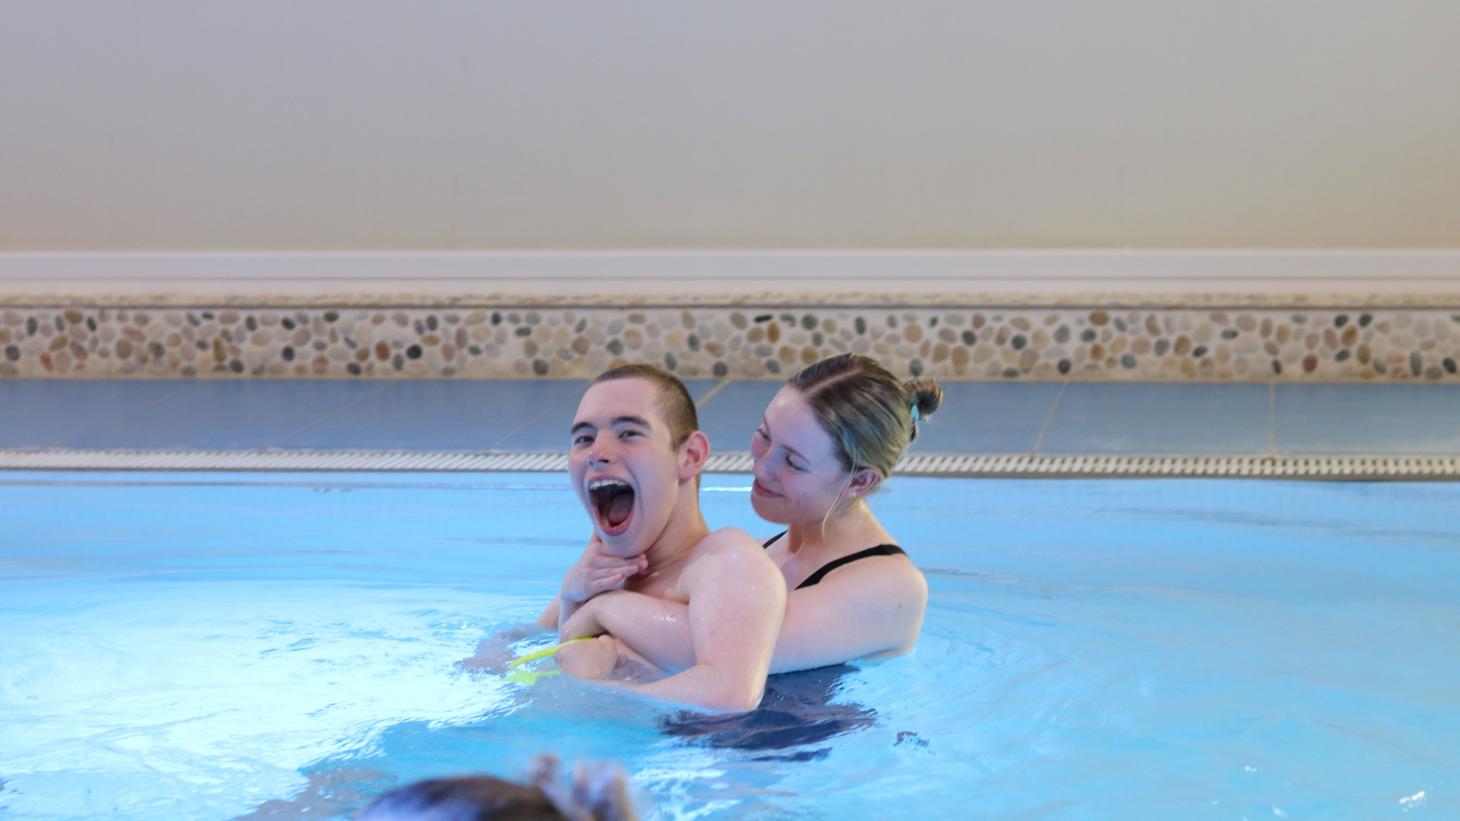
793	465
762	434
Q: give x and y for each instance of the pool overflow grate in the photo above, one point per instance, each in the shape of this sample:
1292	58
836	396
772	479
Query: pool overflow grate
1357	467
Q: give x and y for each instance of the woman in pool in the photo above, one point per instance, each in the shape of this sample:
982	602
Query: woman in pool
827	439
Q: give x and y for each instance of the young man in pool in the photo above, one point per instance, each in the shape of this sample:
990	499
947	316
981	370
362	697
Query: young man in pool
635	458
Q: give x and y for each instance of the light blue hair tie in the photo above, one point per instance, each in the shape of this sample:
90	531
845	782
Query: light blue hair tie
914	413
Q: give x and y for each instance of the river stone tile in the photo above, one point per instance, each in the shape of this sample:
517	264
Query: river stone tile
1398	344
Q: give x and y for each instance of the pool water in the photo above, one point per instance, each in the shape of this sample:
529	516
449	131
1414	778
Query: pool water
285	645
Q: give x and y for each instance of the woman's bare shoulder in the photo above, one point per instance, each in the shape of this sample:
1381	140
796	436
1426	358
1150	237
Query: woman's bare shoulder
878	575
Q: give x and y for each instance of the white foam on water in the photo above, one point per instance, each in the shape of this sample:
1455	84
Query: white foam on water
202	701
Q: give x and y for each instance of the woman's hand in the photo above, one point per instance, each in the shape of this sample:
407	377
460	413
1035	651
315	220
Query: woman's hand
594	659
597	572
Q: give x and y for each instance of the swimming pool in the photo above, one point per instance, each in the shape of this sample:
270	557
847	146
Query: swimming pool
205	645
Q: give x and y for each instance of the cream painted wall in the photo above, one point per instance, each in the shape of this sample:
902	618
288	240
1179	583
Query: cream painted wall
361	125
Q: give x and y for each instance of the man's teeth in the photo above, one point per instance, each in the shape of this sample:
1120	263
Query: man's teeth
602	484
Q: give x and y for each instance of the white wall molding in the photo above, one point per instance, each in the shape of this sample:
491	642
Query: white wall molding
1041	275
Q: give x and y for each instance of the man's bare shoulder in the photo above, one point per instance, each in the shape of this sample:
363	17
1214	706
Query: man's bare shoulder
731	559
728	541
731	550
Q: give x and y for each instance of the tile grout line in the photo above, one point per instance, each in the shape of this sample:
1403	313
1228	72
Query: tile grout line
323	417
1049	418
710	394
158	399
1272	417
525	425
520	428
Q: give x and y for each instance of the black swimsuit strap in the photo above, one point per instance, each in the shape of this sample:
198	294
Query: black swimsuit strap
879	550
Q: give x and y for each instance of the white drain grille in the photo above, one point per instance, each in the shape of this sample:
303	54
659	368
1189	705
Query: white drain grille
1256	467
1370	467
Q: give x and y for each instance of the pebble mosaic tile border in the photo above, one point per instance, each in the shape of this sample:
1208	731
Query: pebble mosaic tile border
741	341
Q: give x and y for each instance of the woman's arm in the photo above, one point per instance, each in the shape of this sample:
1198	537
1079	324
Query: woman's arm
865	610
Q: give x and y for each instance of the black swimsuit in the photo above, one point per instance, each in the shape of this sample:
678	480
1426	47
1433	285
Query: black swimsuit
879	550
797	709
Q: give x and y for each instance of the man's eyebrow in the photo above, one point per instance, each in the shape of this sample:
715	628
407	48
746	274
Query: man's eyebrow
617	420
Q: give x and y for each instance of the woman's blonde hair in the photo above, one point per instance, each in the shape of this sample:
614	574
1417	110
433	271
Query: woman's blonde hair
869	413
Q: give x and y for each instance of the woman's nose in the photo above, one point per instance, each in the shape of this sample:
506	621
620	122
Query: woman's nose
757	465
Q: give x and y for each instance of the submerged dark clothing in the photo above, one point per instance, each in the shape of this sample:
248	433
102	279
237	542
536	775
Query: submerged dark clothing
795	711
878	550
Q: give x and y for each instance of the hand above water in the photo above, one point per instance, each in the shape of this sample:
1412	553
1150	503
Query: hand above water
596	572
594	659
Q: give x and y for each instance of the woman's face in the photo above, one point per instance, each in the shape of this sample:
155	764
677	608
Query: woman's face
798	472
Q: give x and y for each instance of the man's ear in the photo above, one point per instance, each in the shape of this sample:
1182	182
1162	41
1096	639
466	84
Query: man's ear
693	454
862	483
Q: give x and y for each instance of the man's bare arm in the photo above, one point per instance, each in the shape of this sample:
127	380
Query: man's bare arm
737	599
869	610
658	629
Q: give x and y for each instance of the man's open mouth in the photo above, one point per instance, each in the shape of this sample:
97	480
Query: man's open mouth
613	501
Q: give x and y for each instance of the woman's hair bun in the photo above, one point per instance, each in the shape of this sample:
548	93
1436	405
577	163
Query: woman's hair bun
925	395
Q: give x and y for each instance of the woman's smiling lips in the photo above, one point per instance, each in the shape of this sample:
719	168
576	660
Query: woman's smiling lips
759	489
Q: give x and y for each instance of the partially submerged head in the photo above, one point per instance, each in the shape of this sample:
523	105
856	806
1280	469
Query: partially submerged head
832	434
465	798
636	453
594	792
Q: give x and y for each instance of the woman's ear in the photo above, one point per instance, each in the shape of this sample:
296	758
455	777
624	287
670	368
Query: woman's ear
862	483
693	454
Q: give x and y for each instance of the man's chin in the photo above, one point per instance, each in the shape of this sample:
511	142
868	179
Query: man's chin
622	545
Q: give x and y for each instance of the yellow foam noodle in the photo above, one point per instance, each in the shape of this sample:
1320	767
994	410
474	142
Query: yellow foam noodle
543	653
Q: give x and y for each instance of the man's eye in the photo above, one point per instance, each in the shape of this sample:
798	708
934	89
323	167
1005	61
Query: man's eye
582	439
762	434
628	433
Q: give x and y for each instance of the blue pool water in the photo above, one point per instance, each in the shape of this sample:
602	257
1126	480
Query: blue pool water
284	645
